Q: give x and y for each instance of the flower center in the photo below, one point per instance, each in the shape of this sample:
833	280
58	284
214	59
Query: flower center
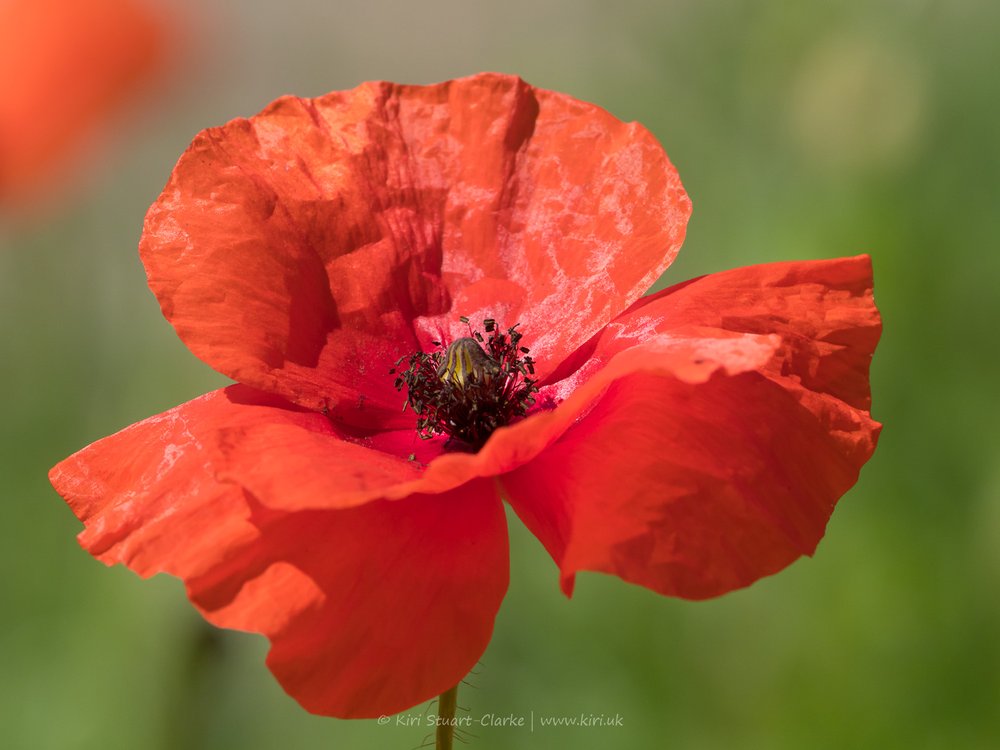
469	388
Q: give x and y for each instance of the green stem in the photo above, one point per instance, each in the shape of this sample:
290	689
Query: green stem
446	718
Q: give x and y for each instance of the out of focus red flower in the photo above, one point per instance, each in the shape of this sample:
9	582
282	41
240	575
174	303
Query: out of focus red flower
66	65
691	441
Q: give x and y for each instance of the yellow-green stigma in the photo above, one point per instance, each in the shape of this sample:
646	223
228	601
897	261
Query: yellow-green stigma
471	387
465	362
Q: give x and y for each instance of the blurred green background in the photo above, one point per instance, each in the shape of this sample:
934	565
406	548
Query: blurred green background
801	130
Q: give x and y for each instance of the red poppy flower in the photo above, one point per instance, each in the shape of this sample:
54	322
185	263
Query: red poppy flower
64	65
691	441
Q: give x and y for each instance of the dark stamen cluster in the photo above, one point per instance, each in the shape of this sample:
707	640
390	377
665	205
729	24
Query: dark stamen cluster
471	387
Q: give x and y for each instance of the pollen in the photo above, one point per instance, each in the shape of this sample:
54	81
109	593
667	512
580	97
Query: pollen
470	387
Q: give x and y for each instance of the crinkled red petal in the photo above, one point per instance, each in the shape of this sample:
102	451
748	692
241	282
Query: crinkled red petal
369	609
303	250
697	488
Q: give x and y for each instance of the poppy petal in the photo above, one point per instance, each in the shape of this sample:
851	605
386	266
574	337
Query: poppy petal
694	489
369	610
823	310
349	230
288	458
